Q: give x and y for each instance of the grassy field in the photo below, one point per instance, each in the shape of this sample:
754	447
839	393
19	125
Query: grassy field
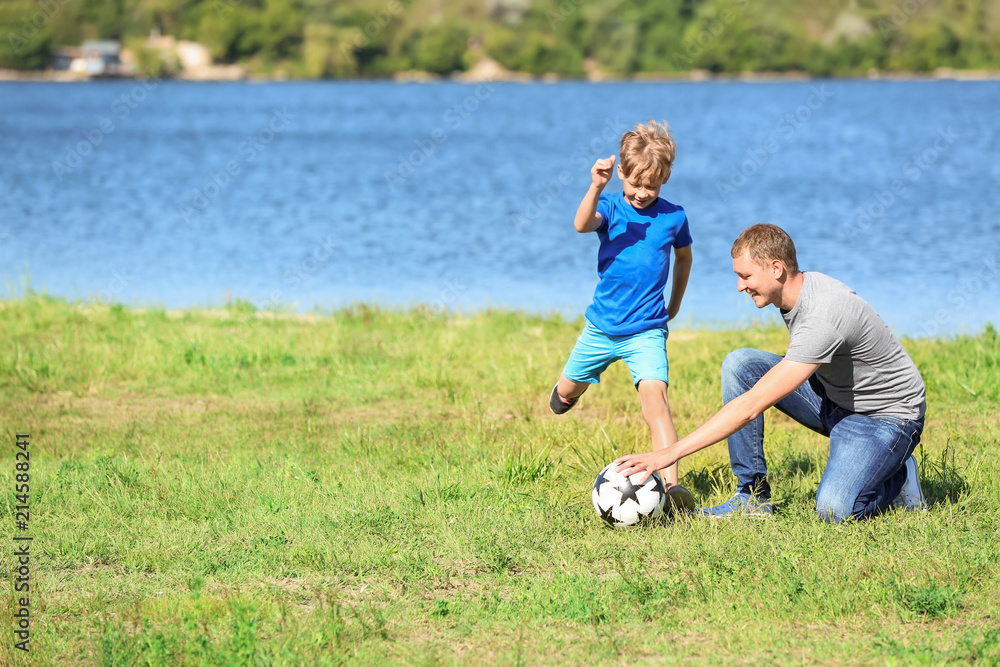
369	487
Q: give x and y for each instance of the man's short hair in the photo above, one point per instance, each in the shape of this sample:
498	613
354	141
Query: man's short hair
766	242
647	152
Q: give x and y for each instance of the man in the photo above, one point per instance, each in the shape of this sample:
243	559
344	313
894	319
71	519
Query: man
845	375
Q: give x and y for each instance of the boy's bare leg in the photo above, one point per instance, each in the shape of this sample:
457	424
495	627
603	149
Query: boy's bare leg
656	411
568	390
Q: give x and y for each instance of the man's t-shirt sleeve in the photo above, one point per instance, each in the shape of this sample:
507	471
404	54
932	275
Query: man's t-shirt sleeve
814	343
683	238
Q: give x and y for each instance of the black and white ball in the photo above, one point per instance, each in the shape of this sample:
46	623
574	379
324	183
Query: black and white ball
622	503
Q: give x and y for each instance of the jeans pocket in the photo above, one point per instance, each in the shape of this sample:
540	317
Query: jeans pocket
905	429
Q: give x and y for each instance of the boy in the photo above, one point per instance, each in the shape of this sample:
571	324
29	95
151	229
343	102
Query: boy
628	318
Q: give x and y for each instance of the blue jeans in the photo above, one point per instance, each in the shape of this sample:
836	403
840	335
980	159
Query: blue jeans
865	470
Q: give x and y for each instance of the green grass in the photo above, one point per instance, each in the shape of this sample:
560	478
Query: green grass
370	487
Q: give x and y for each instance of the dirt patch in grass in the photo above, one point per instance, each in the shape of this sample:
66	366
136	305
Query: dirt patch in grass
142	407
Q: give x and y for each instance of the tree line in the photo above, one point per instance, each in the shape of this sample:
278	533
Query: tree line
571	38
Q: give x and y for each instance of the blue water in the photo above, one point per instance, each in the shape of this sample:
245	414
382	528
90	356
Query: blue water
306	195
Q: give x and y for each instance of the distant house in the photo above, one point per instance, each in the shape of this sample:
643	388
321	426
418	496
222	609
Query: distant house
63	57
194	60
189	55
94	58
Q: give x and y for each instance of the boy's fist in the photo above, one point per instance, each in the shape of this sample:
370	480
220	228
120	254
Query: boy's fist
601	171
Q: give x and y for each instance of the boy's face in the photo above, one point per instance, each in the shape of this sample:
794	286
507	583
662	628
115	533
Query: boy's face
639	192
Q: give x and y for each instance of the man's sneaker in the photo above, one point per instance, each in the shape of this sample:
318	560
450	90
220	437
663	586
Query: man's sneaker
911	496
557	405
740	503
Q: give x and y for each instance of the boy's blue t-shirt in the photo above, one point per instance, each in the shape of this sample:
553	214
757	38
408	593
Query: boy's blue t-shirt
633	263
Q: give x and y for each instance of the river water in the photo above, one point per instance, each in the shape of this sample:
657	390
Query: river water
461	196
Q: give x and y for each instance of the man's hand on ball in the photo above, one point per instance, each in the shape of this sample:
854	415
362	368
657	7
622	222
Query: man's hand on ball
649	463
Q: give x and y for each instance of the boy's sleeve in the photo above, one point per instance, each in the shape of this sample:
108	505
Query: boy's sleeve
604	210
683	237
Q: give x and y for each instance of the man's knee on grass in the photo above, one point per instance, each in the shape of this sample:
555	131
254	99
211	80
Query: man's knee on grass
836	508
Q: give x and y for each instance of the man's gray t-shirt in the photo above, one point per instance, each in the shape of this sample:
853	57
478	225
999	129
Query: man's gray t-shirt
864	367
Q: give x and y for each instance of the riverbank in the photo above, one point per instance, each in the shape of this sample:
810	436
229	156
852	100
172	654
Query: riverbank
236	73
370	485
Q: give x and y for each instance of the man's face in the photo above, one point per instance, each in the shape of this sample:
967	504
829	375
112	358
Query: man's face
760	282
638	192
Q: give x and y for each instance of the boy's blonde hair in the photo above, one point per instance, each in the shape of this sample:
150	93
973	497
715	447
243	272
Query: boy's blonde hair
766	242
647	152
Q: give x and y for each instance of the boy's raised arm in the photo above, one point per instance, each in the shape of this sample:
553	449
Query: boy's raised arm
587	218
681	271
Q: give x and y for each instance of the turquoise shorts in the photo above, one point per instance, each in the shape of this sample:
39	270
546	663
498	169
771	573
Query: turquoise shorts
645	353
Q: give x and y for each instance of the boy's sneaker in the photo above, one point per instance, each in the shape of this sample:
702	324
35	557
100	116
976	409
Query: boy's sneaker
557	405
911	496
740	503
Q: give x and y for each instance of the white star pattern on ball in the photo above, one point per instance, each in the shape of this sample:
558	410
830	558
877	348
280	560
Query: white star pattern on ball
622	503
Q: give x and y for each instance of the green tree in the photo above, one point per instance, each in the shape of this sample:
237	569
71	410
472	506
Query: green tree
441	49
375	38
616	47
543	54
224	31
323	55
108	16
26	40
659	42
281	29
503	45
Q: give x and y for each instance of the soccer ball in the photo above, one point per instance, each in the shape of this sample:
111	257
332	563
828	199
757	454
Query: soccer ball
621	503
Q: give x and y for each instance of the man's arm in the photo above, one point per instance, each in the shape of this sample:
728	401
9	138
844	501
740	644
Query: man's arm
780	381
587	218
682	269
